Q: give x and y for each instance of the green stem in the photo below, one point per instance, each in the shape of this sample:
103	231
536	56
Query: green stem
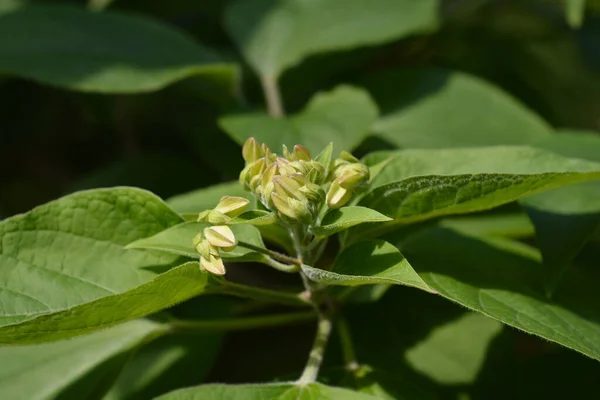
272	95
273	254
251	292
347	346
240	323
293	268
311	370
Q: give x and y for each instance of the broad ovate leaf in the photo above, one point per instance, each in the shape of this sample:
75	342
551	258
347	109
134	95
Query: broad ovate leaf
276	35
108	52
368	263
342	116
502	279
179	240
265	391
47	370
343	218
436	108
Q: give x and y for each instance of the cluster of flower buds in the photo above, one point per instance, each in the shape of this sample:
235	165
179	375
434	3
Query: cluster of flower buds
292	185
209	242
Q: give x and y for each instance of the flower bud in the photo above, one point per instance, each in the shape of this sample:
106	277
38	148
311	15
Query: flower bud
313	192
353	175
221	236
289	186
212	264
251	151
251	172
291	208
205	249
232	206
337	196
301	153
284	167
344	155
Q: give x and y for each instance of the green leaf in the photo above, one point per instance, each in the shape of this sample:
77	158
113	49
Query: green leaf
43	371
506	225
104	52
71	251
166	290
565	218
265	391
343	116
574	12
367	263
206	198
276	35
179	240
434	108
345	217
431	183
455	352
501	279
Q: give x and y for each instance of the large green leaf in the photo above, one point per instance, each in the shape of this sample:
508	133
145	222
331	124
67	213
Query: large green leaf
266	391
501	279
368	263
274	35
101	52
433	108
421	184
179	240
342	116
71	251
206	198
565	218
343	218
43	371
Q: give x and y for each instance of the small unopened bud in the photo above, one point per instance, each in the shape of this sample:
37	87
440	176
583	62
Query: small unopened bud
337	196
287	186
284	167
344	155
251	151
205	249
232	206
212	264
293	209
313	192
221	236
353	175
251	172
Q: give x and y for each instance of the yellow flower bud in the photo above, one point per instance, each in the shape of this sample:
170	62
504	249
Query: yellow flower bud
205	249
232	206
337	196
220	236
291	208
251	151
353	175
213	264
287	186
251	172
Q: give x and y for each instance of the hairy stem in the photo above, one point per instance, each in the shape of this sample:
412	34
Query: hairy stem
272	96
240	323
289	268
311	370
273	254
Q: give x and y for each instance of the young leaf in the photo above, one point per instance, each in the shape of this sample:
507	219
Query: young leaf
462	106
368	263
44	371
101	52
343	116
206	198
565	218
166	290
345	217
502	280
71	251
274	36
179	239
265	391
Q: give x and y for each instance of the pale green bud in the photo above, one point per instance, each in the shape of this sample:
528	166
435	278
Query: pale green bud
301	153
220	236
205	249
316	172
213	217
291	208
288	186
353	175
284	167
251	172
212	264
251	151
313	192
232	206
337	196
344	155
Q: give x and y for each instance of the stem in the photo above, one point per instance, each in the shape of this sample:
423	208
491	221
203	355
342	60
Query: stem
311	370
270	253
250	292
347	346
280	266
241	323
272	96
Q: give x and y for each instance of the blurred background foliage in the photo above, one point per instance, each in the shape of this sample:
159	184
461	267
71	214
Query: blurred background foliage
476	73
